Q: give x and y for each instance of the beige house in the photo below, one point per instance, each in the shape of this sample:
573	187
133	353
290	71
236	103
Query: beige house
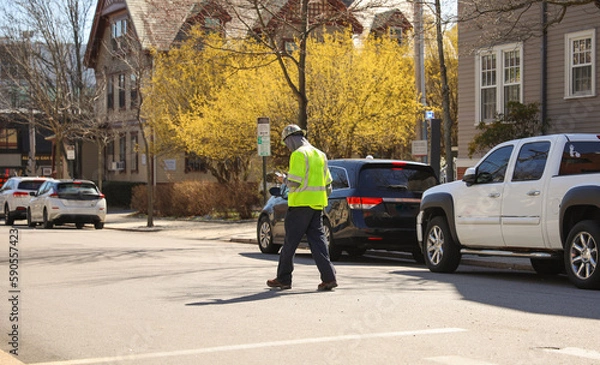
557	69
123	33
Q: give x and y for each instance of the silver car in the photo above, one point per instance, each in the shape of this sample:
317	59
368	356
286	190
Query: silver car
67	201
15	196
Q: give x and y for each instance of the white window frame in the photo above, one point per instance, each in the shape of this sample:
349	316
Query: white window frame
119	27
500	83
569	39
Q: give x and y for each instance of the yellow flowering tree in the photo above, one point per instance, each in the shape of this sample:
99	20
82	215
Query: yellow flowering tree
363	99
206	100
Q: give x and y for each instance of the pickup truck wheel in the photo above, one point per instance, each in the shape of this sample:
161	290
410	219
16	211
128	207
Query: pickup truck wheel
442	254
418	256
581	255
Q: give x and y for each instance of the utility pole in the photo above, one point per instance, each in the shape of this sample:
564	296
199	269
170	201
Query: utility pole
420	67
31	163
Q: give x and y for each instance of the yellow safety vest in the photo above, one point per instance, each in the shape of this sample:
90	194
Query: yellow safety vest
308	167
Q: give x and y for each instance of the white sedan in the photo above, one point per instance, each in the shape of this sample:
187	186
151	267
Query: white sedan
67	201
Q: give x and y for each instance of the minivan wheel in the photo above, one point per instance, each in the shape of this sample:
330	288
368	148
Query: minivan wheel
581	255
335	251
264	234
79	225
442	254
356	251
47	223
99	225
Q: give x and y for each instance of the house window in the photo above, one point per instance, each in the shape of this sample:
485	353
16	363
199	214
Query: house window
110	153
500	80
134	151
580	74
133	90
122	151
318	9
194	163
289	45
18	97
396	34
122	91
212	24
118	33
110	96
119	28
8	139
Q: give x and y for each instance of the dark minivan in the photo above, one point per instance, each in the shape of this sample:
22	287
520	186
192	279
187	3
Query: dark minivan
373	205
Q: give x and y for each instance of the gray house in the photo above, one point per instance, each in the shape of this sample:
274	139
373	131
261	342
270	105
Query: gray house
503	59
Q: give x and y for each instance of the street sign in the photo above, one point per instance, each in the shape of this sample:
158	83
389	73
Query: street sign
419	147
264	137
429	114
70	151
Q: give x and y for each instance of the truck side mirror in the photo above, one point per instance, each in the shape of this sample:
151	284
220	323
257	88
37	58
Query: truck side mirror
470	176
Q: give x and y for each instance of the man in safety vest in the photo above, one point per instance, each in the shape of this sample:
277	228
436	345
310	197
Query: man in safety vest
309	183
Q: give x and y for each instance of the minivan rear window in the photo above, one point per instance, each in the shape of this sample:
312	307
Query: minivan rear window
405	178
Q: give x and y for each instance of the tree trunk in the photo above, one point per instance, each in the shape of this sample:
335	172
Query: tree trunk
445	95
302	99
100	165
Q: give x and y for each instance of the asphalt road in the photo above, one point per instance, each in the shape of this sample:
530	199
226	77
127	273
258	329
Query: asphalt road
122	297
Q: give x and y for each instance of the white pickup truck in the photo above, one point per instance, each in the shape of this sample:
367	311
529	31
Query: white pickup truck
536	197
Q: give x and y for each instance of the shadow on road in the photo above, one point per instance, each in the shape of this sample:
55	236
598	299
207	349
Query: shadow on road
518	290
303	257
264	295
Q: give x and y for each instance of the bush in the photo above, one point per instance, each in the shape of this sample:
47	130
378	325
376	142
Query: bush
520	121
199	198
118	193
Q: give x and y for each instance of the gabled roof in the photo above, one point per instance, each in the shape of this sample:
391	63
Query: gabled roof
275	12
156	23
393	17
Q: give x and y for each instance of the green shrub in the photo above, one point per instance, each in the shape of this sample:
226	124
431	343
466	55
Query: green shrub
520	121
199	198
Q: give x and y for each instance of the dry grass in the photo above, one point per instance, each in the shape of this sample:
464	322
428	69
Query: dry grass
197	198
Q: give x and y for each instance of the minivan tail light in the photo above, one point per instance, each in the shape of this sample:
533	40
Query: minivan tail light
355	202
398	165
54	195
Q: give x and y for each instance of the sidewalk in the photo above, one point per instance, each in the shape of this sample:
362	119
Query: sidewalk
237	231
